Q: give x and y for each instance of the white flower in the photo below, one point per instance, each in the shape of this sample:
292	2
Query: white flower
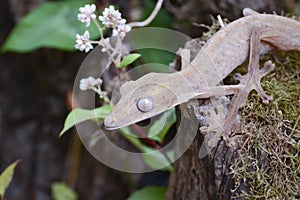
83	42
93	84
102	94
111	17
87	83
106	45
87	14
90	83
98	82
121	30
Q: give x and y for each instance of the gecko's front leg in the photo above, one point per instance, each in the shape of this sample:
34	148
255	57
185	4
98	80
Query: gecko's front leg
250	81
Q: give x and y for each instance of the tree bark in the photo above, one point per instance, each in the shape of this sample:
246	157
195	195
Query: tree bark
202	178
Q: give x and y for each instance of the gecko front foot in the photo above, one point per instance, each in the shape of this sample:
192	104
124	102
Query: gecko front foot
251	81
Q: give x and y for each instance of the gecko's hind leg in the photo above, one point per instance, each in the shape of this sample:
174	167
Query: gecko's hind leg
250	81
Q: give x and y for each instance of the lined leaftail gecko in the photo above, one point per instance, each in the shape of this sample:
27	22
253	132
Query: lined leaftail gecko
248	37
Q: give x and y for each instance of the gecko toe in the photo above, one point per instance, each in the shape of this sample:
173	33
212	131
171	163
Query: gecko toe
268	67
265	98
238	77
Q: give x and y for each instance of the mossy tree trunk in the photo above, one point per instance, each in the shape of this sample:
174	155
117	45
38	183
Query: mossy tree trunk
263	161
202	178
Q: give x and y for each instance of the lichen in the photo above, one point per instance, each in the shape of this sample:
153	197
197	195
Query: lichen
268	165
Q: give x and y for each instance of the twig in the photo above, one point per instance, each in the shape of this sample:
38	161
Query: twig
220	21
150	18
102	39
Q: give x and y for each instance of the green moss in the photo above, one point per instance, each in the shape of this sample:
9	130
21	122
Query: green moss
269	163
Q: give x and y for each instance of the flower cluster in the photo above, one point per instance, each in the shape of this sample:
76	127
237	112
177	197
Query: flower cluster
106	45
83	42
87	14
121	30
91	83
110	18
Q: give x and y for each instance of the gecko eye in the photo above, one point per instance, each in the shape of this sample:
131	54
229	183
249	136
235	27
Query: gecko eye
145	104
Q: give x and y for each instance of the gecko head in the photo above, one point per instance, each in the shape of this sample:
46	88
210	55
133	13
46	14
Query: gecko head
140	100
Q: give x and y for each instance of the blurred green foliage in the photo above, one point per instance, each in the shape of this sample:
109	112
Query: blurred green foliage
79	115
127	60
52	24
163	19
6	177
149	193
61	191
153	157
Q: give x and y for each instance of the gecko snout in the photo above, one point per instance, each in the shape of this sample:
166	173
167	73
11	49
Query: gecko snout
109	123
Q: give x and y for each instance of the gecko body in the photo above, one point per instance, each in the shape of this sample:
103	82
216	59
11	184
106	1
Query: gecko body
226	50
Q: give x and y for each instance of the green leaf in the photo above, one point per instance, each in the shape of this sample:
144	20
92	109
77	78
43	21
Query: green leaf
152	157
61	191
150	55
156	160
51	24
127	60
126	132
6	177
79	115
149	193
160	127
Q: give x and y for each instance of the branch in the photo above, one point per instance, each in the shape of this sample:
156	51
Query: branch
150	18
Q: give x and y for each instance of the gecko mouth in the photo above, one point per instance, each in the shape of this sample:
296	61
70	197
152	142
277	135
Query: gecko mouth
110	128
109	123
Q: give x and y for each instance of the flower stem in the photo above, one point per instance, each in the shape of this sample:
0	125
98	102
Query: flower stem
150	18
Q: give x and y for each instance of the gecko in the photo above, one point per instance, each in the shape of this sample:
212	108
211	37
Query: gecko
244	39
